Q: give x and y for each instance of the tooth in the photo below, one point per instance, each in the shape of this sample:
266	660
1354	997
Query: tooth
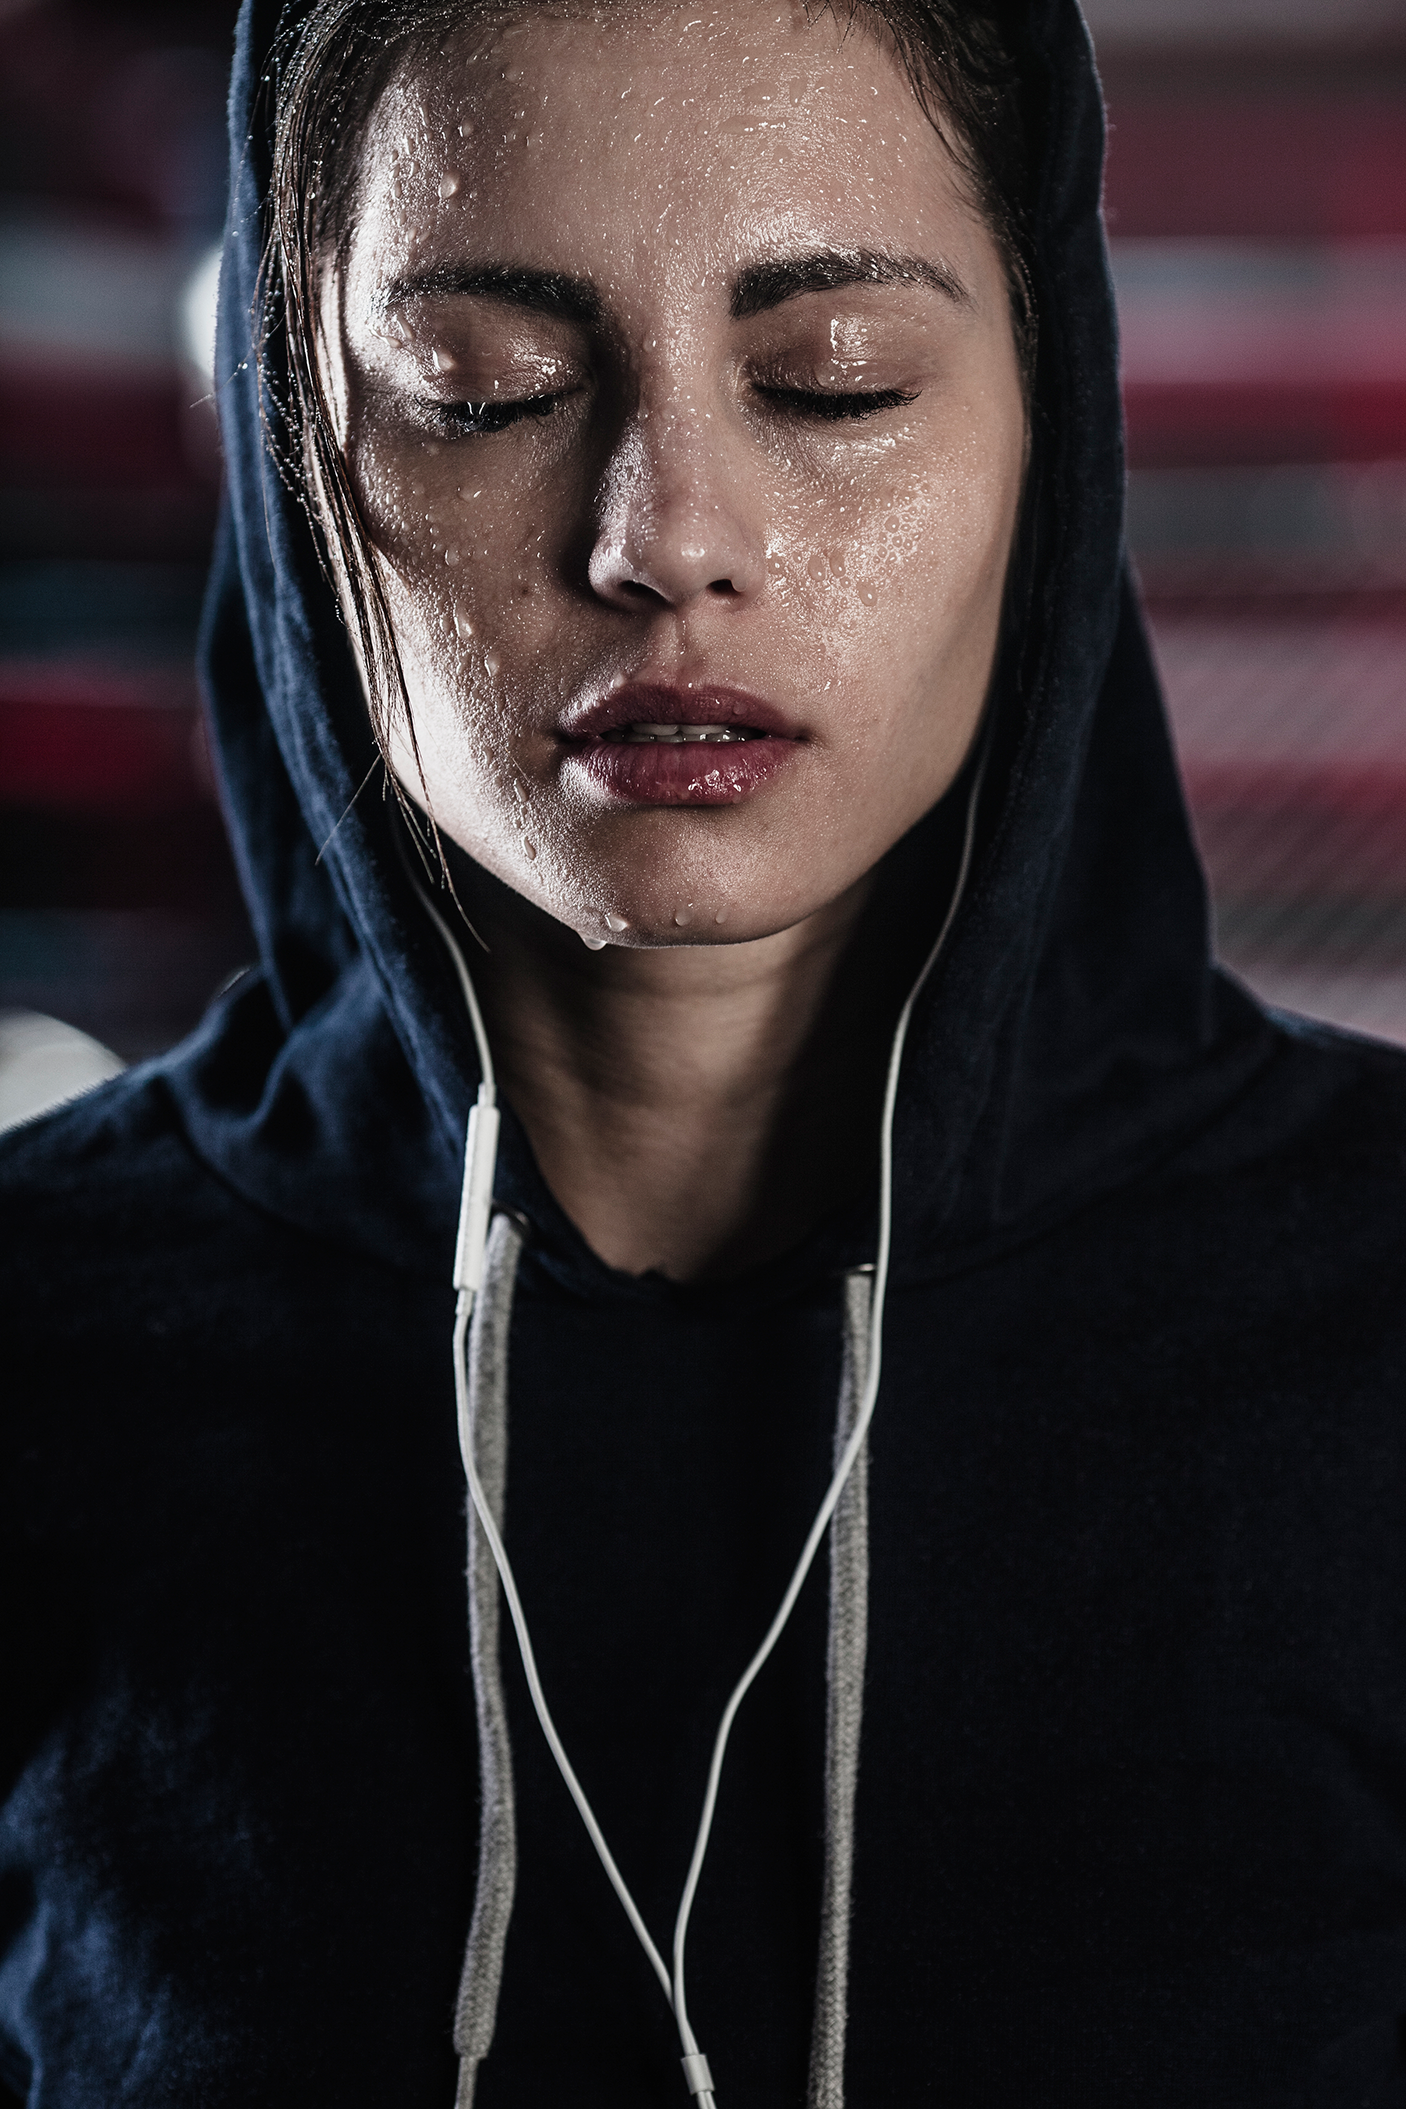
640	735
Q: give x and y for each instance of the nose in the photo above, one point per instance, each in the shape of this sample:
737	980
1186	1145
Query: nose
675	523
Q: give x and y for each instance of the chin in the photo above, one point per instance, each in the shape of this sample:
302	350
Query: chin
663	880
672	900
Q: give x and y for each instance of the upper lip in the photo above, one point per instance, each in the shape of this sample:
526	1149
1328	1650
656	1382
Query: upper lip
662	703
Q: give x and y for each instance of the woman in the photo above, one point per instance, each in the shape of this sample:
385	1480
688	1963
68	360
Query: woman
689	445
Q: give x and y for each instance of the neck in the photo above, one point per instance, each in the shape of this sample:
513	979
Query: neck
695	1109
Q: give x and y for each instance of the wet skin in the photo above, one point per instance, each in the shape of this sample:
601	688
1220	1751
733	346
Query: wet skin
687	469
677	383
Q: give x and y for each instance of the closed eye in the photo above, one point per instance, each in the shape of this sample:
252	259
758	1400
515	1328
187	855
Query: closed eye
830	407
494	415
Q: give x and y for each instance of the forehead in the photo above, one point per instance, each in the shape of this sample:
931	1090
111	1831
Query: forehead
648	138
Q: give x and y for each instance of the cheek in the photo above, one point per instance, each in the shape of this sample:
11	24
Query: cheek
463	569
900	575
468	761
487	661
423	519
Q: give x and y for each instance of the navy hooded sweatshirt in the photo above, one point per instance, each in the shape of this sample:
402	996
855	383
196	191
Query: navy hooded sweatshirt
1131	1814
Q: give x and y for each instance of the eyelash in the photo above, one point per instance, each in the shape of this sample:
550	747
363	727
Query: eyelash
833	408
488	418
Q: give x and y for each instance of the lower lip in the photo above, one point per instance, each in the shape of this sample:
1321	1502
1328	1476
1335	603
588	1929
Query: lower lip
693	773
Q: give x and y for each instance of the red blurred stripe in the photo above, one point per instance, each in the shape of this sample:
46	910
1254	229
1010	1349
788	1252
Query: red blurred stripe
1301	828
1267	166
1201	423
65	424
78	738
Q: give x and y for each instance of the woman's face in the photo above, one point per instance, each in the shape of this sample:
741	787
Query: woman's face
678	387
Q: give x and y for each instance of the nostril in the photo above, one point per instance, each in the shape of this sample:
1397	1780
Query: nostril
722	586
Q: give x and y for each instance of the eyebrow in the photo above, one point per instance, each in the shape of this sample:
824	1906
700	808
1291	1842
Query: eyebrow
767	285
756	289
518	286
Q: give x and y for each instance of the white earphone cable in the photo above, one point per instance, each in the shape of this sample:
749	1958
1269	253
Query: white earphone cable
475	1211
862	1419
451	945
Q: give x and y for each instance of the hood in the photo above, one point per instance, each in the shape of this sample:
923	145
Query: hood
1075	1028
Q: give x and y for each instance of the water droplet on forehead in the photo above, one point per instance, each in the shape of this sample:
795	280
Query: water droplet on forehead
491	664
616	923
448	184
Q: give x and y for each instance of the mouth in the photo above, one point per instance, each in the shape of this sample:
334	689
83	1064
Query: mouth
651	744
680	735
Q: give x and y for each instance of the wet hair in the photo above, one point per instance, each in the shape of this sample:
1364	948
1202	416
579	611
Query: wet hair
334	59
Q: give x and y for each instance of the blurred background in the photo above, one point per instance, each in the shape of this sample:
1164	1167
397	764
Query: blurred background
119	912
1257	206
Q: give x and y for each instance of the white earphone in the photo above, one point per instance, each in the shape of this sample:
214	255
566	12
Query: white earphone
475	1213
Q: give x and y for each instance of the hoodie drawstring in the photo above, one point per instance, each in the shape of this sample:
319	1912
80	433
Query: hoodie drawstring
481	1980
849	1636
477	2008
